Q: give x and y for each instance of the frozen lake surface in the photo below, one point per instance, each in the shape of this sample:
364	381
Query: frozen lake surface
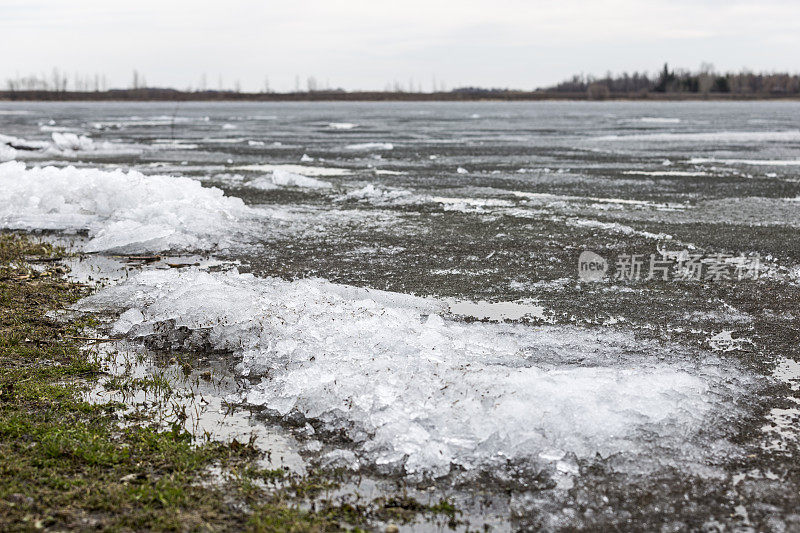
397	286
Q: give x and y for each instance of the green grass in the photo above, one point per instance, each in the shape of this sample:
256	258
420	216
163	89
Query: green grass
71	464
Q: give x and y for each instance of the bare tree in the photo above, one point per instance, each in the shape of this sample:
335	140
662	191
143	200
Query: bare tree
311	84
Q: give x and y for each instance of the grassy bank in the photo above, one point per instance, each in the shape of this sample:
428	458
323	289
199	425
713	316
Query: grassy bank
71	464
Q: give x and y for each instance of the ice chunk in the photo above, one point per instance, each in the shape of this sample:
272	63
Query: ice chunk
128	319
125	212
341	459
418	393
22	144
676	173
469	204
752	162
342	125
368	191
263	183
71	141
67	145
297	169
367	147
7	153
377	195
711	136
660	120
616	227
280	177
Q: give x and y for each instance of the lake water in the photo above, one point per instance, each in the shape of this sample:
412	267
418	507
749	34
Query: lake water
397	285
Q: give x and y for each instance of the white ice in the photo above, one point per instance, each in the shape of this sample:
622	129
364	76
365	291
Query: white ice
283	178
753	162
378	195
342	125
65	144
297	169
469	204
366	147
7	153
666	173
72	141
616	227
17	142
712	136
418	393
122	211
660	120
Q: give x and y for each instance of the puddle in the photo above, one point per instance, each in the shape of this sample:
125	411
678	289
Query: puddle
169	393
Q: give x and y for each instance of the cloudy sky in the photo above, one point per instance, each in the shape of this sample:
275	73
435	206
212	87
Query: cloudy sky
369	44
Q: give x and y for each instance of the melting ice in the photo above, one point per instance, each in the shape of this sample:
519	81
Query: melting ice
122	211
421	394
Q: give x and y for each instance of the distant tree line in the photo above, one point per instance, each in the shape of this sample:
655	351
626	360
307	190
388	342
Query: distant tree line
668	84
703	82
57	81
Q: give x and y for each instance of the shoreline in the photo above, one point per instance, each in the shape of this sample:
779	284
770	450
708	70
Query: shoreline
105	438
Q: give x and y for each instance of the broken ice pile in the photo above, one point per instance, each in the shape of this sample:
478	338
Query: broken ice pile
421	393
125	212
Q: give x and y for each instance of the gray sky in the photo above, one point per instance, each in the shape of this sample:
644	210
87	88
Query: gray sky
368	44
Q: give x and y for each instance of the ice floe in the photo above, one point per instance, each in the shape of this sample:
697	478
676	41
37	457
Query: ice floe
284	178
23	144
420	394
548	197
66	144
377	194
72	141
660	120
711	136
752	162
616	227
297	169
667	173
7	153
366	147
342	125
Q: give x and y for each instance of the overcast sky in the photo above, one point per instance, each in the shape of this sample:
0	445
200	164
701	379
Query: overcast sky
369	44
